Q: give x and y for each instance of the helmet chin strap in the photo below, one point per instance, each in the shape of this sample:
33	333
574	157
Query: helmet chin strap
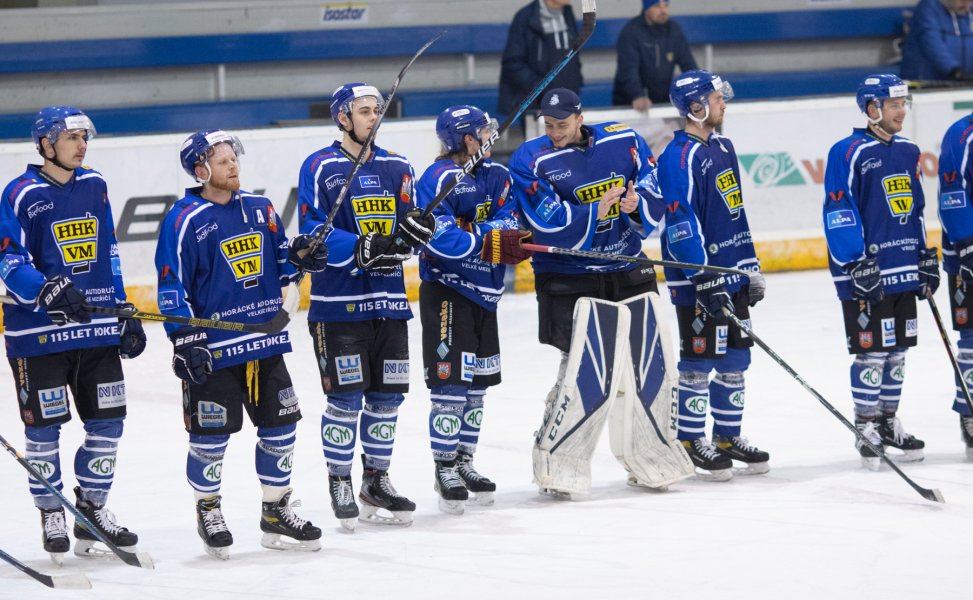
209	174
351	131
54	160
705	115
875	122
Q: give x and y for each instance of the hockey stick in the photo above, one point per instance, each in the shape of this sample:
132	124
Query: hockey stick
587	27
68	581
633	259
283	316
275	325
949	350
929	494
135	559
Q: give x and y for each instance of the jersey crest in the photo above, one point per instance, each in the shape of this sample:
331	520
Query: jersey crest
374	214
898	194
593	192
729	188
77	240
244	254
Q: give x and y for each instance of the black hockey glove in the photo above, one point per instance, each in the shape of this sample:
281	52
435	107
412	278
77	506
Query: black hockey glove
300	255
711	294
964	253
63	302
758	287
416	229
928	272
191	359
866	280
381	252
131	336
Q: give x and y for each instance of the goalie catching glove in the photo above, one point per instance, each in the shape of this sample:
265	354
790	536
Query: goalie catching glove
502	246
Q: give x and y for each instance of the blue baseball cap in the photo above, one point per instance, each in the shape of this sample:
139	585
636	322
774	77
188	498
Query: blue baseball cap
560	103
647	4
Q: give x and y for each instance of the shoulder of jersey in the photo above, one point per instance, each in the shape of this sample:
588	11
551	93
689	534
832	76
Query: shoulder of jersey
326	154
381	154
254	198
611	127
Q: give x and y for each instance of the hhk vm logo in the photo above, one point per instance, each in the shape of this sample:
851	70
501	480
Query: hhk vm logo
729	188
592	192
244	254
77	239
375	214
898	193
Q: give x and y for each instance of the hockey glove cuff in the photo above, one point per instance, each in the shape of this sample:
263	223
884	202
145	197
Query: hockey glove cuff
502	246
381	252
758	288
63	302
301	254
711	294
416	229
191	360
928	272
866	280
131	336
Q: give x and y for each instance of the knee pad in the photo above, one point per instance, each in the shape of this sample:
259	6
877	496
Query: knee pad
736	360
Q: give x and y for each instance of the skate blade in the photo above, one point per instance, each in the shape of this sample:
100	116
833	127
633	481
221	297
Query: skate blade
452	507
275	541
872	463
220	553
635	483
480	499
349	524
759	468
371	515
718	475
88	549
57	558
906	455
553	493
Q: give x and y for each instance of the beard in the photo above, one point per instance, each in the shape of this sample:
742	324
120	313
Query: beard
225	184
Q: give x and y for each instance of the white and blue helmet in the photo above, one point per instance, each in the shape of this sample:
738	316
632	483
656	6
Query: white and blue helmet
876	89
52	121
196	149
345	96
461	120
695	87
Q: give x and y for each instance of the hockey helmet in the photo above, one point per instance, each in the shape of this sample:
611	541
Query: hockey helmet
344	96
879	88
461	120
696	86
52	121
196	147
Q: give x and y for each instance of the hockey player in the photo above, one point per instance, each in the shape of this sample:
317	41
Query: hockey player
879	261
222	253
59	256
590	187
706	224
462	272
358	304
956	215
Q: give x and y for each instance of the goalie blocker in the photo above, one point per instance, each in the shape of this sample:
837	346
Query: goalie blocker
620	368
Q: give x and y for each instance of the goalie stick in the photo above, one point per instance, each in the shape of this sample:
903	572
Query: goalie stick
949	350
933	495
67	581
587	27
632	259
135	559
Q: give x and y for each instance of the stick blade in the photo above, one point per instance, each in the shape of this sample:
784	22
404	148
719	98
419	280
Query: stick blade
70	581
933	495
136	559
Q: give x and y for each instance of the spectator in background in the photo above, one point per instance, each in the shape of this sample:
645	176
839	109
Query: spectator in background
649	48
540	35
939	43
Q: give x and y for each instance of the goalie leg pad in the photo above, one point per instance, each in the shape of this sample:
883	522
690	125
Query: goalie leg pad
570	431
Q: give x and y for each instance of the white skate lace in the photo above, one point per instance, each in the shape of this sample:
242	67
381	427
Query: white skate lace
898	433
386	484
106	520
870	433
706	449
342	491
54	525
744	444
289	517
450	477
467	471
213	521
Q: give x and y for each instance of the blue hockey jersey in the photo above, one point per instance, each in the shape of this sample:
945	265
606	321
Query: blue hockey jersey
956	189
557	193
379	196
479	203
225	262
706	222
49	229
873	208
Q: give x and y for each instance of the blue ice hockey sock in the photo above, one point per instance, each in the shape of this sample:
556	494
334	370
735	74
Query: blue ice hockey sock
94	462
274	454
204	463
338	437
43	453
964	357
726	394
892	378
693	400
866	383
469	433
445	415
377	428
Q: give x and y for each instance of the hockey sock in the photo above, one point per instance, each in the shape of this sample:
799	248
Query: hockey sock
43	453
377	428
866	382
204	463
892	378
469	433
94	463
274	455
964	357
445	415
693	399
726	392
338	435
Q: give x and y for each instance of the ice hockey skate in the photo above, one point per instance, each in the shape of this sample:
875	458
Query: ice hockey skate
478	485
343	501
739	448
55	534
279	521
710	464
378	494
870	460
452	493
104	520
212	529
894	436
966	428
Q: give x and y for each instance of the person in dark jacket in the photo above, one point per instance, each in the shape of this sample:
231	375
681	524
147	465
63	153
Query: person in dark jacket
939	45
650	47
540	35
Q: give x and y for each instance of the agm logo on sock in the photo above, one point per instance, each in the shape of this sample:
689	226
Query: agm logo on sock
103	465
696	404
445	425
286	462
337	434
382	431
43	467
213	472
474	417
